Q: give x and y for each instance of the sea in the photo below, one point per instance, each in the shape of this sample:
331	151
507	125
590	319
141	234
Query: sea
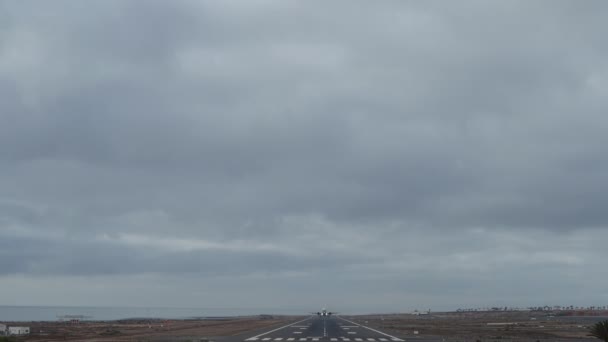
93	313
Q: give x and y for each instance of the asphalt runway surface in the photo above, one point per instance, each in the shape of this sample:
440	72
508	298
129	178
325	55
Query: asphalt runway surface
326	329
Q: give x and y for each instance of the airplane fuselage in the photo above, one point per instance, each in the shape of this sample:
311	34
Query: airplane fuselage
324	312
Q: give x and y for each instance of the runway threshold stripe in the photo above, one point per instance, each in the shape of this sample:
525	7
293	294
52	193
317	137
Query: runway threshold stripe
382	339
278	339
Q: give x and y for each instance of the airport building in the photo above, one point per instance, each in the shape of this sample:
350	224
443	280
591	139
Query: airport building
18	330
2	329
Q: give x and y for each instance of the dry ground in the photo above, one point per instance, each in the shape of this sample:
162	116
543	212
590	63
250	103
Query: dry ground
485	326
144	330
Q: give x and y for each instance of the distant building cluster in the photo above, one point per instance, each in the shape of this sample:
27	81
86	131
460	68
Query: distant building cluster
538	308
6	330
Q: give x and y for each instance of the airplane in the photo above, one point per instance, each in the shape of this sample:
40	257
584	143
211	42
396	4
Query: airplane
324	312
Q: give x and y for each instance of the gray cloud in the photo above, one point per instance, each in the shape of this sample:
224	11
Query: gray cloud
424	151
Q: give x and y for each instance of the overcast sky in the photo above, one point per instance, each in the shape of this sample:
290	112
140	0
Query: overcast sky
372	156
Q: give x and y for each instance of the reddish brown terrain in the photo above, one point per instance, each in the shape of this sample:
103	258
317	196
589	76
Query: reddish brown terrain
145	330
486	326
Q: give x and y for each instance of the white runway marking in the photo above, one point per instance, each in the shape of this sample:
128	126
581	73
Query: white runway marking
283	327
266	339
290	339
278	339
333	339
252	339
393	338
297	332
358	339
352	332
382	339
345	338
371	339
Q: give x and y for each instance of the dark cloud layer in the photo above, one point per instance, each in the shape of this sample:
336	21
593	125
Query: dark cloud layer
430	152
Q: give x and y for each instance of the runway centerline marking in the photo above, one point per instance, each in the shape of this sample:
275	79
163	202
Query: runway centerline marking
374	330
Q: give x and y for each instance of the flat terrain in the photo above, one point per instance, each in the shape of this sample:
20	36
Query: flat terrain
147	330
501	326
524	326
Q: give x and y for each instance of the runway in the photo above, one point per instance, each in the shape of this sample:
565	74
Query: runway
324	328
